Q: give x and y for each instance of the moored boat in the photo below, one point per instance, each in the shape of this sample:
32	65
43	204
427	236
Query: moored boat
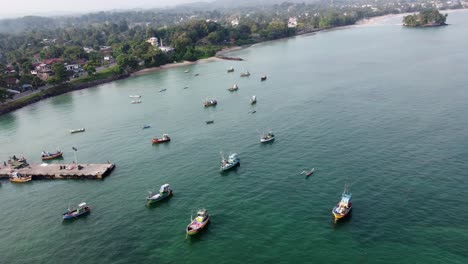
197	224
263	78
233	88
230	69
164	138
308	173
211	102
267	138
72	131
162	90
164	192
81	210
136	102
50	156
345	205
134	96
146	126
16	177
245	74
209	122
253	100
229	163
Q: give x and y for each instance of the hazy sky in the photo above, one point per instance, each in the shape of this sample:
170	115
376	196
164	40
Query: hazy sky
15	8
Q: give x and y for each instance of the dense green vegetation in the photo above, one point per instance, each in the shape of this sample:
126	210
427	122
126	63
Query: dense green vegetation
428	17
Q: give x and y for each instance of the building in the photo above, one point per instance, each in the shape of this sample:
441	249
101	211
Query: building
292	22
73	67
235	22
153	41
88	50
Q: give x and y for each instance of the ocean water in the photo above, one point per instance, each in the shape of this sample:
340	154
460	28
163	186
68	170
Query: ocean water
378	107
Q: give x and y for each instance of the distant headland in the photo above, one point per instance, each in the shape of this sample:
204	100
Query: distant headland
425	18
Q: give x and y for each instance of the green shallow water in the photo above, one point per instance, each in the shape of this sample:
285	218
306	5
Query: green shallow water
382	108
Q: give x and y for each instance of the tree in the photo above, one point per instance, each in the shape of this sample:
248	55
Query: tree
89	68
3	95
60	73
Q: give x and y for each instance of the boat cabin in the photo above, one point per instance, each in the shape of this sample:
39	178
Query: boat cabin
164	188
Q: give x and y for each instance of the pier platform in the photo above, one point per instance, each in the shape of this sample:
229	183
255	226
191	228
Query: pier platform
60	171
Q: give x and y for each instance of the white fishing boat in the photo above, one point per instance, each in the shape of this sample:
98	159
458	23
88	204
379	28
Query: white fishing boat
253	100
245	74
136	102
72	131
233	88
135	96
267	137
230	162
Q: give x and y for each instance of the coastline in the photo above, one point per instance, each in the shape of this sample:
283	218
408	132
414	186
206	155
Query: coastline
171	66
10	106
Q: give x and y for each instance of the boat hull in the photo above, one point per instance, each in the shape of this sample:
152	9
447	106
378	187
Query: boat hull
51	157
21	180
73	214
190	230
262	140
338	215
230	166
159	141
150	200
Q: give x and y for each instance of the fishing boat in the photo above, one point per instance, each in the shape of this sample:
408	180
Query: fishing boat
186	87
196	74
136	102
229	163
50	156
263	78
72	131
253	100
135	96
162	90
197	224
211	102
230	69
165	138
18	178
233	88
81	210
245	74
146	126
164	192
343	208
186	71
209	122
267	138
309	172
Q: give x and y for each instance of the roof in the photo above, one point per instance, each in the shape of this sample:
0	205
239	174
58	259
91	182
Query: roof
82	204
52	61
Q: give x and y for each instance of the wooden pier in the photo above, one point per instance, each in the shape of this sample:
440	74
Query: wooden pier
60	171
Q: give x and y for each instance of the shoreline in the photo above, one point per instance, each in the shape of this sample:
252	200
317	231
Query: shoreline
220	55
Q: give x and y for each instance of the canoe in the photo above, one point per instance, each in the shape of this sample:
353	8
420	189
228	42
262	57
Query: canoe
21	179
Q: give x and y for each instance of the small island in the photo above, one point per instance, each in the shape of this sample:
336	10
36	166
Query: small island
425	18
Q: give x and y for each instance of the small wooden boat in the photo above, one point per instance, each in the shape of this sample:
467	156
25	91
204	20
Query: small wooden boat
229	163
209	122
50	156
164	192
197	224
81	210
77	130
211	102
245	74
233	88
267	138
345	205
146	126
162	90
17	178
263	78
136	102
135	96
308	173
196	74
165	138
186	87
253	100
230	69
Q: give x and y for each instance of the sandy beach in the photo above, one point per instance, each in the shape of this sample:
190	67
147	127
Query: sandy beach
172	65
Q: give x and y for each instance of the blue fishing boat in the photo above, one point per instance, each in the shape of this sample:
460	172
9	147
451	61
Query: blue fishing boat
82	209
164	192
345	205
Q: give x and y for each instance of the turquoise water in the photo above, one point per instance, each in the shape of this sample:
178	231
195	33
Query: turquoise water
382	108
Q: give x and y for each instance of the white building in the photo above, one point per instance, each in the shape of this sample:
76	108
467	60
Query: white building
292	22
235	22
153	41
